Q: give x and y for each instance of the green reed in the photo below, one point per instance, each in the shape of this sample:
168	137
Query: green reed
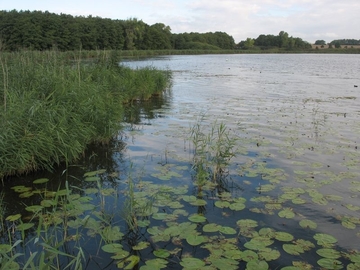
213	151
54	105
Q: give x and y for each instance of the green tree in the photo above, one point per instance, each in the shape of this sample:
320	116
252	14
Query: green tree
320	42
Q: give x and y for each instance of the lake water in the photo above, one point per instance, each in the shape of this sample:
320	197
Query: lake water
295	118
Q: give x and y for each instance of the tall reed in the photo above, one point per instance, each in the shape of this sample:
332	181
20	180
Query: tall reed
54	106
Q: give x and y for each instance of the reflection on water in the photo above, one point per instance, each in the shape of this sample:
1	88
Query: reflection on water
297	120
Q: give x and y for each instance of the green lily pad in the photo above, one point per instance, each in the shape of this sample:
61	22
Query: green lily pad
330	263
247	223
286	213
223	264
161	253
222	204
329	253
156	263
112	248
211	227
283	236
92	179
41	181
192	263
13	218
324	239
93	173
257	265
306	223
141	245
249	255
34	208
197	218
293	249
227	230
120	254
238	206
24	226
195	240
112	233
269	254
198	202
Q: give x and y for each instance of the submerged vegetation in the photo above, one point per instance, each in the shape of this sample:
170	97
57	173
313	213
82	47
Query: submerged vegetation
52	105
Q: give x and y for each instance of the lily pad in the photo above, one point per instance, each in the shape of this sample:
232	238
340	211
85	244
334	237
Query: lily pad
222	204
211	227
324	239
306	223
293	249
283	236
329	253
161	253
13	218
193	263
197	218
329	263
286	213
247	223
195	240
41	181
257	265
237	206
112	248
141	245
227	230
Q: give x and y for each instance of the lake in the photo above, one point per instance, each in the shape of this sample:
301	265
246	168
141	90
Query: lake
287	193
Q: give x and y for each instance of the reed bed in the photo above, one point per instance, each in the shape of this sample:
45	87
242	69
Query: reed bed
54	104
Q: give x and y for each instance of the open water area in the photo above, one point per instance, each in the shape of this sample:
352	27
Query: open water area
288	199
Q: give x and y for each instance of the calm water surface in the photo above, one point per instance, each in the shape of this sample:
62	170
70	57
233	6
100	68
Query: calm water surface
298	114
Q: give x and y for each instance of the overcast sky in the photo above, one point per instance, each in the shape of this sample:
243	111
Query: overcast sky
308	19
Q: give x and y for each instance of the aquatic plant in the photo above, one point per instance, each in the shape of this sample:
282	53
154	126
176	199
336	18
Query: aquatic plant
213	151
53	107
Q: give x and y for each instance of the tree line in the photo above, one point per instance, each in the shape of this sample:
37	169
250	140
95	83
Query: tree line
282	40
38	30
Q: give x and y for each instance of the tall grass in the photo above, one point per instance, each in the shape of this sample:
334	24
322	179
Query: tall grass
54	105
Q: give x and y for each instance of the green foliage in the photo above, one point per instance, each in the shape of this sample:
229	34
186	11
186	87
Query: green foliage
52	108
282	40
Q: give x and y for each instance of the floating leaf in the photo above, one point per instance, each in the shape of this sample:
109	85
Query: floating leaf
156	263
41	181
238	206
132	261
92	179
257	265
112	233
293	249
93	173
24	226
227	230
247	223
328	253
249	255
161	253
324	239
4	248
194	239
198	202
306	223
143	223
197	218
192	263
269	254
112	248
329	263
222	204
283	236
352	207
348	224
286	213
13	218
224	264
141	245
211	227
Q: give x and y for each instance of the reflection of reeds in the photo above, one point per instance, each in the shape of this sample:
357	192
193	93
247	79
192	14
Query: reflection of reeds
52	107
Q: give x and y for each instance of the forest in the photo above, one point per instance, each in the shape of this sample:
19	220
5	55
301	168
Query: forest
38	30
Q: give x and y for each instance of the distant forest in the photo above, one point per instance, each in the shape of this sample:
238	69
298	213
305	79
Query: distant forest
37	30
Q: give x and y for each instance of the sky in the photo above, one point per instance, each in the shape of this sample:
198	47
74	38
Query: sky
310	20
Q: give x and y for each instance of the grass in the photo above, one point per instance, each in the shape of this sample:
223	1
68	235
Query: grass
54	104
